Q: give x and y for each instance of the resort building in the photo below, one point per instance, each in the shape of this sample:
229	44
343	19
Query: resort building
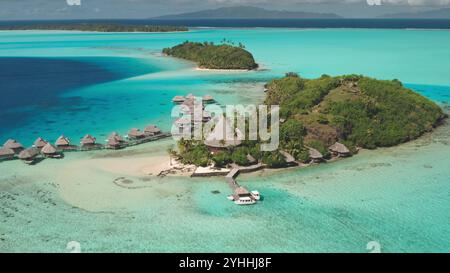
135	133
88	141
39	143
6	153
223	136
50	151
62	142
315	156
208	99
152	130
339	149
115	141
178	99
13	145
29	155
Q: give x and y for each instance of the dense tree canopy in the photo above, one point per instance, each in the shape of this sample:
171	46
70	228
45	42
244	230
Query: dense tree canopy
211	56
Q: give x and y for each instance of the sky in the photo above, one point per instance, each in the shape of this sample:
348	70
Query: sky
137	9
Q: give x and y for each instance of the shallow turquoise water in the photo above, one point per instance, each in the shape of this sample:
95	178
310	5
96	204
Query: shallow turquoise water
398	197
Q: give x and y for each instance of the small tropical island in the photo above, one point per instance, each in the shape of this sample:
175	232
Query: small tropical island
96	27
210	56
323	119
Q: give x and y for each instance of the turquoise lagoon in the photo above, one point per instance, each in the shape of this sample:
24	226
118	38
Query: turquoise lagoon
399	197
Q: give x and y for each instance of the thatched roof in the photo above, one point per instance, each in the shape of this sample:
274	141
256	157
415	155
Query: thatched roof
88	140
62	141
289	158
115	136
49	149
339	148
135	133
190	97
314	154
29	153
4	152
152	129
208	98
40	142
178	99
223	135
12	144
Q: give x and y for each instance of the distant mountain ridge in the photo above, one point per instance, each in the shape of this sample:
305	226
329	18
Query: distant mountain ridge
431	14
247	12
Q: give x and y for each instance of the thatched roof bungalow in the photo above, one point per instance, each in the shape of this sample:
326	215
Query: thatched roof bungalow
62	141
39	143
223	136
135	134
315	155
28	155
88	140
152	130
13	145
6	153
290	160
50	151
339	149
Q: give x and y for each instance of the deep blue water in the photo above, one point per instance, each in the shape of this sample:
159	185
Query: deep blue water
289	23
35	85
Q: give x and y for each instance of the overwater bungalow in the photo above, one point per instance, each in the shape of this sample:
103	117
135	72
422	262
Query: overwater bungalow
62	142
315	155
208	99
178	99
115	141
50	151
223	136
6	153
88	141
13	145
39	143
152	130
29	155
339	149
135	134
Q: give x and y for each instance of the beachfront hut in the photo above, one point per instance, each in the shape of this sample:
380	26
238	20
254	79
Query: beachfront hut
339	149
6	153
115	141
223	136
29	155
62	142
88	140
152	130
290	160
315	155
135	134
39	143
13	145
178	99
50	151
208	99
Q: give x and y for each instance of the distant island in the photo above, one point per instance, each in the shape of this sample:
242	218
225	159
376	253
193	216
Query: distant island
247	12
430	14
210	56
96	27
325	118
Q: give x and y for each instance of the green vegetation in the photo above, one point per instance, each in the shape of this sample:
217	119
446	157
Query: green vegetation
210	56
354	110
96	27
